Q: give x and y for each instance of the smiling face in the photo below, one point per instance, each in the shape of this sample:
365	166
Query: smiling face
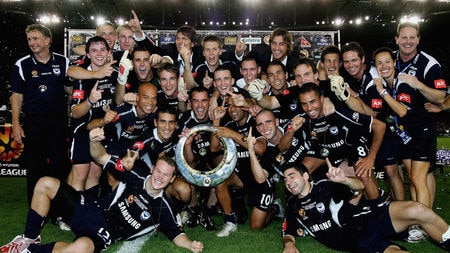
169	83
331	62
250	70
141	65
279	48
200	105
407	41
98	54
277	78
147	98
162	175
353	64
304	74
37	42
267	125
223	81
108	32
165	124
312	104
296	183
237	114
385	65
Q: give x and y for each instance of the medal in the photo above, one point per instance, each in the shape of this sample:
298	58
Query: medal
324	152
390	119
42	88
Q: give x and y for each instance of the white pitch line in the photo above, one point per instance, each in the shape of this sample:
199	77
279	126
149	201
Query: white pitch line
134	245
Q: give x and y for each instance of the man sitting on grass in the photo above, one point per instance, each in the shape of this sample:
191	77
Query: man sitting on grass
137	206
321	209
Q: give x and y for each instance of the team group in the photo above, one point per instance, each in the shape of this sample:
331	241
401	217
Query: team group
319	128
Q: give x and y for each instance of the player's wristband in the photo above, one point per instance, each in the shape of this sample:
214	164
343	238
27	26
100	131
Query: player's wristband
90	102
383	93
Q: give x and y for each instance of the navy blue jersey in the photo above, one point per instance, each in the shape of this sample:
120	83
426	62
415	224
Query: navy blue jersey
129	129
130	212
325	214
150	143
42	85
82	90
344	134
300	145
164	101
203	157
428	71
200	71
243	168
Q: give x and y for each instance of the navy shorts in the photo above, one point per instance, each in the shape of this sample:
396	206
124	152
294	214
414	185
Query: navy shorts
375	235
422	147
261	196
82	215
389	150
79	148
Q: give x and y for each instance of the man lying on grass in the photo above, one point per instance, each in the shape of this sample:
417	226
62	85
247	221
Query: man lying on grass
321	209
137	206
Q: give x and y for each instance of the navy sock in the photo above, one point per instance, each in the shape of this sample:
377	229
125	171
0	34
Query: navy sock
45	248
230	218
34	224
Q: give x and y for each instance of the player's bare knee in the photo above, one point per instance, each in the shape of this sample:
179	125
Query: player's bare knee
81	245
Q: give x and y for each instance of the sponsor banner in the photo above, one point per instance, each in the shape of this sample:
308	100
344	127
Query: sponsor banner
10	153
310	42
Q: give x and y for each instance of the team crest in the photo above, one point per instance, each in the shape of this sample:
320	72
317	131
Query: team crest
130	199
293	107
34	73
56	71
320	207
294	142
130	129
145	215
334	130
313	134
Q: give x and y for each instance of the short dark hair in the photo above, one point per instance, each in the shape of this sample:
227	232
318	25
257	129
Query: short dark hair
188	31
330	49
198	89
95	40
166	109
250	58
297	166
277	63
353	46
140	49
169	67
383	50
40	28
308	87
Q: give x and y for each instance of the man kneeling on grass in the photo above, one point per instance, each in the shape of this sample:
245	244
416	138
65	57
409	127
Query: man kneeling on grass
137	206
321	209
